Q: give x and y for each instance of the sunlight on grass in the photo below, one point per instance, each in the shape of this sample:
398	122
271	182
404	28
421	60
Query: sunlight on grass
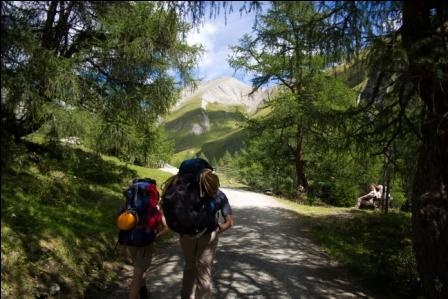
376	247
313	210
58	223
229	182
185	108
227	108
177	158
221	125
142	172
58	226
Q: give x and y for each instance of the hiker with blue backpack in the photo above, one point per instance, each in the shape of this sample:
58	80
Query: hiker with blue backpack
192	203
140	222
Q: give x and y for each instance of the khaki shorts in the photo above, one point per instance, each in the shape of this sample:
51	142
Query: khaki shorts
140	256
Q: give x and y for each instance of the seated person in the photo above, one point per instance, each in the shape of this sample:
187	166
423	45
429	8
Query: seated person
379	195
372	198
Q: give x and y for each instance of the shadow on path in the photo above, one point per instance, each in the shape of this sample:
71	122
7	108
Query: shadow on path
262	256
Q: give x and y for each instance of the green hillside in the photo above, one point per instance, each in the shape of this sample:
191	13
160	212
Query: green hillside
232	142
354	74
57	219
220	126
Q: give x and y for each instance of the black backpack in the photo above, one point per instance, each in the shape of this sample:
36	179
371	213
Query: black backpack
186	212
141	198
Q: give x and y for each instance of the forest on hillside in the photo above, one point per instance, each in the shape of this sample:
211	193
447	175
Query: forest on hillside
361	97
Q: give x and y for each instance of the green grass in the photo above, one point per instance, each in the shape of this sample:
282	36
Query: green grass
57	218
58	210
352	73
178	157
226	108
229	182
224	121
230	142
375	247
192	104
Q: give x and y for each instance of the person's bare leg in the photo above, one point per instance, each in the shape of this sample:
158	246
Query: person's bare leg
137	282
363	200
206	255
358	203
189	249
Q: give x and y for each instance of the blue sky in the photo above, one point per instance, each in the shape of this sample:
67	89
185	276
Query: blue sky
216	36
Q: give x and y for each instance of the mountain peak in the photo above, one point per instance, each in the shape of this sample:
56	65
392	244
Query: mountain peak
227	79
223	90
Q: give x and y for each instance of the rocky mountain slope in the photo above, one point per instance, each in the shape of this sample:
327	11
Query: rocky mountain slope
208	119
225	91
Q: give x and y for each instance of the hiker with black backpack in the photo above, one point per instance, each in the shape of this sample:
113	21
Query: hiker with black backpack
192	202
140	222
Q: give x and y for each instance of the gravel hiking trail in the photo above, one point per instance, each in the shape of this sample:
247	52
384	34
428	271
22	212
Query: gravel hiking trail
264	255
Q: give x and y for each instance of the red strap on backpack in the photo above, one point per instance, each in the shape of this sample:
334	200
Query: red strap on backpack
155	218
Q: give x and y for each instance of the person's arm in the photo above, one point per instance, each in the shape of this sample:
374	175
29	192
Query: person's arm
228	223
165	227
226	212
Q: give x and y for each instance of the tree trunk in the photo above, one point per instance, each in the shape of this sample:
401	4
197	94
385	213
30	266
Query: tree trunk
429	198
387	195
300	162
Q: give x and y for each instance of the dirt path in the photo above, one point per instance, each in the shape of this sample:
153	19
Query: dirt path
262	256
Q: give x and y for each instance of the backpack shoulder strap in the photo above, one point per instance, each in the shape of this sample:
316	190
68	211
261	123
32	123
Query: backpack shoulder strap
129	198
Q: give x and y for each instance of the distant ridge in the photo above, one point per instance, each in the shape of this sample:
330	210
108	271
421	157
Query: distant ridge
209	120
224	90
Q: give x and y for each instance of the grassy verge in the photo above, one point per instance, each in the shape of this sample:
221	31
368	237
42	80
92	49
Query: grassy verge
375	247
57	224
57	219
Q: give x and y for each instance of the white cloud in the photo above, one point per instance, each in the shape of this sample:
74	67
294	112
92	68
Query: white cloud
205	37
216	37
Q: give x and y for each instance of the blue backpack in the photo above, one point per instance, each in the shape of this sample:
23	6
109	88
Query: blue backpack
141	198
